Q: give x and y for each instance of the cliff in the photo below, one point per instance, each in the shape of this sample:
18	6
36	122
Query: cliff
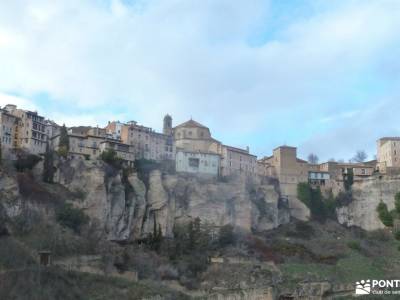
367	194
127	205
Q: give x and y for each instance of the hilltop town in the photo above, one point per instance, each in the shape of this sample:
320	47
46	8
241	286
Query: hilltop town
190	147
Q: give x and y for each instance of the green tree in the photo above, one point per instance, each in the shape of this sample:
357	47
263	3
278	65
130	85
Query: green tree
71	217
348	179
226	236
384	214
397	202
63	144
313	199
304	193
1	154
48	168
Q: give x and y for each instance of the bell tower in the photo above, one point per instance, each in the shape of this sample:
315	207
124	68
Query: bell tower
167	128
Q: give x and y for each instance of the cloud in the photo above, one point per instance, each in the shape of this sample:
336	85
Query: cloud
142	59
21	102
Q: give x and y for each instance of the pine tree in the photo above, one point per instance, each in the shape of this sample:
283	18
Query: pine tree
48	170
1	153
63	145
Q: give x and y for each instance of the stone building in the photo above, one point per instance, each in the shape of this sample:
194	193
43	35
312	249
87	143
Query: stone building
90	142
238	161
193	137
290	171
388	154
31	130
337	171
146	143
197	162
8	132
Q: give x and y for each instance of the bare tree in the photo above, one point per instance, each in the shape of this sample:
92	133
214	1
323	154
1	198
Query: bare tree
360	156
313	158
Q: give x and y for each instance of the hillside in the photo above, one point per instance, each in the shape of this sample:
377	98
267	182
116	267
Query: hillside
147	233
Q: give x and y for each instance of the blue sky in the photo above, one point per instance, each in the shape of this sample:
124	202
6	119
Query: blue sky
320	75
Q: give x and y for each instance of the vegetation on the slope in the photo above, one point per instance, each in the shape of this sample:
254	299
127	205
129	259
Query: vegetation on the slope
384	214
111	157
397	202
26	162
320	208
71	217
54	283
348	179
63	145
48	166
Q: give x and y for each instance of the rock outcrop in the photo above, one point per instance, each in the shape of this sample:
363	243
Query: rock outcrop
367	194
129	206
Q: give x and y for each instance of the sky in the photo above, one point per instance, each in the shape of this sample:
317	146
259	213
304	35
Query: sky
320	75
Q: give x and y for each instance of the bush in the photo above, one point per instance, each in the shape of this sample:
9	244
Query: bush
379	235
226	236
62	151
397	202
168	272
397	235
71	217
355	245
26	162
384	215
314	200
304	230
110	156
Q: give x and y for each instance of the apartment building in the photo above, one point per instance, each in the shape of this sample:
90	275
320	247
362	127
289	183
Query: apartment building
146	142
388	154
31	130
8	132
238	161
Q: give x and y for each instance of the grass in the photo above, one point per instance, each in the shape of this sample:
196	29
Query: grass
348	269
54	283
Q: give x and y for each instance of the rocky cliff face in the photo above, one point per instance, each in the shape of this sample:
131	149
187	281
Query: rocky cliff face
366	196
128	206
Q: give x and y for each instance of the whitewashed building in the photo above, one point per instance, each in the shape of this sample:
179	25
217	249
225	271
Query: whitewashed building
197	162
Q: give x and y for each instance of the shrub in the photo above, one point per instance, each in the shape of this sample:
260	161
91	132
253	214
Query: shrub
71	217
62	151
48	168
397	202
384	215
168	272
26	162
226	236
379	235
304	230
110	156
355	245
397	235
313	199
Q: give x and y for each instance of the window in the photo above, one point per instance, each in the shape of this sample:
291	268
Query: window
194	162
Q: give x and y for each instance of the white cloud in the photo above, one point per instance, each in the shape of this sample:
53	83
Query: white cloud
193	58
20	102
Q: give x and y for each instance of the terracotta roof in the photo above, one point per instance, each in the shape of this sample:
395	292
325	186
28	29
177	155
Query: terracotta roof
191	123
